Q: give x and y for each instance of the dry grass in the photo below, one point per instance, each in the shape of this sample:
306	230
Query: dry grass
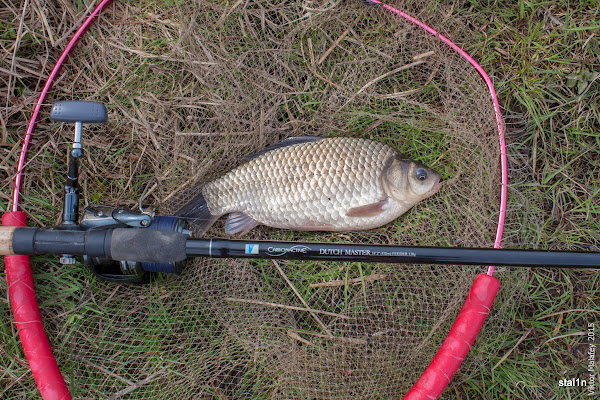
192	87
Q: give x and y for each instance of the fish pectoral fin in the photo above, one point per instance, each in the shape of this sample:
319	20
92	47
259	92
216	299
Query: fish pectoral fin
369	210
239	223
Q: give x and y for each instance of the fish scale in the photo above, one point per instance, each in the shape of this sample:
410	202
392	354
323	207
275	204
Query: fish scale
312	183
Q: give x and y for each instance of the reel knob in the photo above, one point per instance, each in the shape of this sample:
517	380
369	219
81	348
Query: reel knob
81	112
85	112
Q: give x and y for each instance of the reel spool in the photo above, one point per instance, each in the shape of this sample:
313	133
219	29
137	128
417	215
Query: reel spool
129	271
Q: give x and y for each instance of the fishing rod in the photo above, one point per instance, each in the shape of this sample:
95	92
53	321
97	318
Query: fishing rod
123	245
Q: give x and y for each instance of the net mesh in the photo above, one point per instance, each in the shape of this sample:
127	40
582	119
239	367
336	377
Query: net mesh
191	88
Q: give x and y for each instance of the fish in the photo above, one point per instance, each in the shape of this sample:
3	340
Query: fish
312	183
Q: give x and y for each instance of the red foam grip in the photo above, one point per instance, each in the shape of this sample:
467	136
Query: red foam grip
465	329
29	323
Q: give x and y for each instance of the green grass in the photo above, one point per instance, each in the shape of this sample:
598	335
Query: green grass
536	47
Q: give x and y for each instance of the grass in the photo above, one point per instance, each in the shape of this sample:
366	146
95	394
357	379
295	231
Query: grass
544	57
536	46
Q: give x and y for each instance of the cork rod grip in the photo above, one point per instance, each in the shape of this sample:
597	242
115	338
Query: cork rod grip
6	240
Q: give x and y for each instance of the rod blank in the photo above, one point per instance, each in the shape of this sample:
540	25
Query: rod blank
389	254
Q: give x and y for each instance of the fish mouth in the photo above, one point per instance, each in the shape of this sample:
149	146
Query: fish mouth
436	187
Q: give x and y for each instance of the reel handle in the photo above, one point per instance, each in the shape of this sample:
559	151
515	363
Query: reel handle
80	112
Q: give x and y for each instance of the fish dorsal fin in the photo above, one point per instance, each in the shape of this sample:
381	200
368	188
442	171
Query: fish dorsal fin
369	210
285	143
239	223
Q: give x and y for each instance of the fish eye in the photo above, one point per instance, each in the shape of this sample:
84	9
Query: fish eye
421	174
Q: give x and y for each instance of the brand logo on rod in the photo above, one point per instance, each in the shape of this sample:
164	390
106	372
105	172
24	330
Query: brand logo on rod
279	251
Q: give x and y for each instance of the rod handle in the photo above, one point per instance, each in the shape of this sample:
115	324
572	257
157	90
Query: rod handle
119	244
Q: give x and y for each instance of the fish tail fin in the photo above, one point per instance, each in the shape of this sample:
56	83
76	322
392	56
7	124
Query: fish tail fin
198	213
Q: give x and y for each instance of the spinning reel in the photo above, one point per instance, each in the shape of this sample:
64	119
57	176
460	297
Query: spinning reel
106	217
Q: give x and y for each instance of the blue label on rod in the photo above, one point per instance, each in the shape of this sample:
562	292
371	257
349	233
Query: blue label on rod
252	249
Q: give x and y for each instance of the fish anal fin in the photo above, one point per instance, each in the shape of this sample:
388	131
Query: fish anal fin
369	210
239	223
285	143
